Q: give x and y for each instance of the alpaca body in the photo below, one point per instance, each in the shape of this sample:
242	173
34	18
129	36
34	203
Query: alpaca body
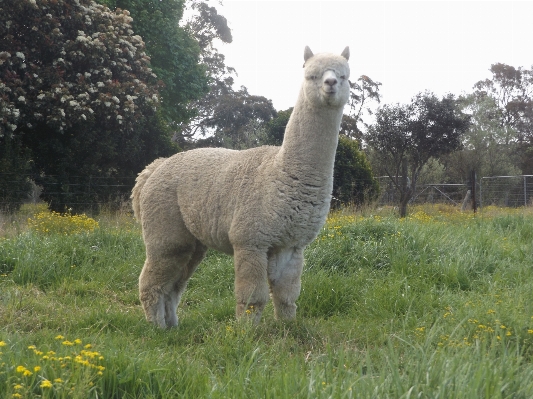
263	205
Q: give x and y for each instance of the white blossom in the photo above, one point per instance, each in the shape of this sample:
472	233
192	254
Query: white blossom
41	96
107	103
21	99
83	117
115	99
100	84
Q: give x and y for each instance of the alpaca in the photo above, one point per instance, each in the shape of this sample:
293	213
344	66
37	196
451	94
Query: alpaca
262	205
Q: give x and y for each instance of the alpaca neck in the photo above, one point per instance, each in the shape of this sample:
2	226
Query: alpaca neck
311	138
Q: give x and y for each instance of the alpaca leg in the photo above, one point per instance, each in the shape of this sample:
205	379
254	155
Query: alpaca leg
163	271
174	296
284	276
251	287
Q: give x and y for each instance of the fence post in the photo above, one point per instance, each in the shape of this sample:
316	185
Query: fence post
473	182
525	191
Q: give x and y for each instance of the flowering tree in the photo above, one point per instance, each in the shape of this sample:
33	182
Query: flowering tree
77	94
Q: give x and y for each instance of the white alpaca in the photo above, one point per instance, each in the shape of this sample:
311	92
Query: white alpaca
263	205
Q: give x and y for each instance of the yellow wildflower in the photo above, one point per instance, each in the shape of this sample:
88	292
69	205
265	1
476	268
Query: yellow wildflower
46	384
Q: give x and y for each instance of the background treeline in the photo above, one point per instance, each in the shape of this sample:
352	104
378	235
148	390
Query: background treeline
99	89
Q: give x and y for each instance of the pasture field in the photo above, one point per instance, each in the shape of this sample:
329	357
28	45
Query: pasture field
436	305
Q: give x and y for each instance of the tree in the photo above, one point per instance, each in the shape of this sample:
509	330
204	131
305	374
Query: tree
512	90
363	92
275	128
236	120
488	147
175	55
405	137
353	182
78	94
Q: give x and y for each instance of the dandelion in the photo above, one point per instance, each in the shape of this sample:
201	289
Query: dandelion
2	343
46	384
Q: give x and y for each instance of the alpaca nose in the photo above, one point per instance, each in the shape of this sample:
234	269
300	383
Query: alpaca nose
331	81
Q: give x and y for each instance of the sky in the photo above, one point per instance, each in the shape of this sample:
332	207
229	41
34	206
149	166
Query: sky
408	46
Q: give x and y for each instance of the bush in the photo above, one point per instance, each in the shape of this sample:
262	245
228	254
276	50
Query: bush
353	182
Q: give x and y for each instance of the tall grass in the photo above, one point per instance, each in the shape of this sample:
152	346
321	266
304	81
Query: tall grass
437	305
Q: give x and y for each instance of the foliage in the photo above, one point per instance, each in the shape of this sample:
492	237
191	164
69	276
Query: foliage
405	137
174	55
236	120
488	147
438	304
15	166
47	222
75	77
57	371
363	92
512	90
353	182
275	128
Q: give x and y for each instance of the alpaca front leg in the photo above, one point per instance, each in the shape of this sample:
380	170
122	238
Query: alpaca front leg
284	275
251	287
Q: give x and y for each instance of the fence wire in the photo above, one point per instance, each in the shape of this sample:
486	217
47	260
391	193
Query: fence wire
83	191
507	191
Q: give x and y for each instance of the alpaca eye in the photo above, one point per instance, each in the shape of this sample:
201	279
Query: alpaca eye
343	77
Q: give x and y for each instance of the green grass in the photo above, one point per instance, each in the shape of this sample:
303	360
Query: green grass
437	305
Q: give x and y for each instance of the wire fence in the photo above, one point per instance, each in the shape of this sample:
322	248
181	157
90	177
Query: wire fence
506	191
437	193
85	193
91	193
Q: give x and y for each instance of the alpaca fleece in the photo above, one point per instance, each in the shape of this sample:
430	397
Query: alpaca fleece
263	205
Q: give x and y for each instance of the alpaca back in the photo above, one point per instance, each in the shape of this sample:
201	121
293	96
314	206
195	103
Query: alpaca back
139	184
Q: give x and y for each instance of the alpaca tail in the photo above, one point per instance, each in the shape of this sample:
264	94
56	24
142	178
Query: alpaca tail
139	184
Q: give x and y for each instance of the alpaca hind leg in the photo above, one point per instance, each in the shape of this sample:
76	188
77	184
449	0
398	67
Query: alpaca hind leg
173	298
284	276
251	287
157	282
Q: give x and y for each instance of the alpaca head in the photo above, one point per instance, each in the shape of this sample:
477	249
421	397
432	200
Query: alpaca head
326	78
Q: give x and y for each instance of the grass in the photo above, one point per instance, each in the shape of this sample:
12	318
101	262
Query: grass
437	305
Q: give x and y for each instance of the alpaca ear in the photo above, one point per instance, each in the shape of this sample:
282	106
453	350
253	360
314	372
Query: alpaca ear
346	53
307	53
